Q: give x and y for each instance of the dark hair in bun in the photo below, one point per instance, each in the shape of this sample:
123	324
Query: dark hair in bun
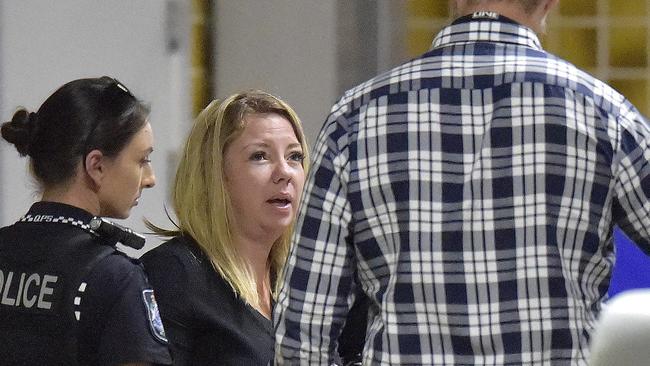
81	116
20	130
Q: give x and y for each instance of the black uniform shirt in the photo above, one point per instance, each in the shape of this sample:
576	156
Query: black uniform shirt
116	313
113	310
206	323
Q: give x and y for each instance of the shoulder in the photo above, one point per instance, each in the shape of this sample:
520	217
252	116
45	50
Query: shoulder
181	263
108	282
114	271
119	317
555	73
186	285
179	253
562	79
174	268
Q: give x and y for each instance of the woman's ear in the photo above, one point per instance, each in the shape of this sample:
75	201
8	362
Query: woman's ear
94	165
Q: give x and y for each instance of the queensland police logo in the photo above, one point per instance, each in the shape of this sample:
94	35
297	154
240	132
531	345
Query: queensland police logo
155	323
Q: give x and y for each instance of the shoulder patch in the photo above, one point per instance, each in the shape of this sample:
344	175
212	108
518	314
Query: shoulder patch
155	322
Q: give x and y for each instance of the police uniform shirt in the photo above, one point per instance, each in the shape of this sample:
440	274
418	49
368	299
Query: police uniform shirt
126	332
112	303
206	323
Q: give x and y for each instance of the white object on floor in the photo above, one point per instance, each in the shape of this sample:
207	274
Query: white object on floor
622	336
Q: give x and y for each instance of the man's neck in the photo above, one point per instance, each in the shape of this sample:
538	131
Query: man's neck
508	9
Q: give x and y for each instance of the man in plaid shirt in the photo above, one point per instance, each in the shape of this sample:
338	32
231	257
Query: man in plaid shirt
470	194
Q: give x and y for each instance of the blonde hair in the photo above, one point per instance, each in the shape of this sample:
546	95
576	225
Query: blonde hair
201	200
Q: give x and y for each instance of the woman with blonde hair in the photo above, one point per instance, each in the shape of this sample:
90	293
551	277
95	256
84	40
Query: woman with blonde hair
237	190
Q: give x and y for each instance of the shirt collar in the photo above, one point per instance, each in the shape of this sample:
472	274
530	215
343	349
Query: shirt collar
486	27
56	209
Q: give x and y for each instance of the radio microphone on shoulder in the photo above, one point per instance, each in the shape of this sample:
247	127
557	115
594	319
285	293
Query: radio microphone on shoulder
117	233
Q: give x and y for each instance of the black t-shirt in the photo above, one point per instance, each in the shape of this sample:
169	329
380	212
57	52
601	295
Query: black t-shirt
104	298
206	323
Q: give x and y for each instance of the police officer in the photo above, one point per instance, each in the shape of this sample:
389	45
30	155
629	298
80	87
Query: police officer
67	296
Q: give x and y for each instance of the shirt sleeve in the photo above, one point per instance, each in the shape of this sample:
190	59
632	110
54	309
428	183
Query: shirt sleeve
631	209
121	311
316	293
169	277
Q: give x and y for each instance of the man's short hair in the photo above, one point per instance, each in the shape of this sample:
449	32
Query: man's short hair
528	5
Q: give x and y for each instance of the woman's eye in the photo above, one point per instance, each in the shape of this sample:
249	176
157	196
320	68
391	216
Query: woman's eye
146	160
258	155
297	156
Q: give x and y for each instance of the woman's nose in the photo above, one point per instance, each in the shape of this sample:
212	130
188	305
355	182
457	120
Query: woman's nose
149	179
281	172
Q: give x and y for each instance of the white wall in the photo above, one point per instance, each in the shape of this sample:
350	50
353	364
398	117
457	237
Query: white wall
47	43
305	51
287	47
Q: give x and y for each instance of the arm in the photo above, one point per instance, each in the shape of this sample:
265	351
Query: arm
313	302
631	209
168	276
180	340
130	325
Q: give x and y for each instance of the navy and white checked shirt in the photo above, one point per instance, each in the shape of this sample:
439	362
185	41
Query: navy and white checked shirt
471	194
